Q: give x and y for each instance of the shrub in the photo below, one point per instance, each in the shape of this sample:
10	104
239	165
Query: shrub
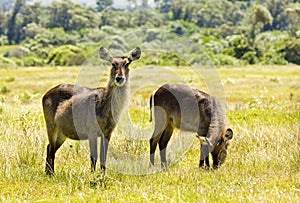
32	61
170	59
222	59
272	57
177	28
6	62
3	40
18	52
270	40
56	37
239	45
66	55
212	44
32	29
95	35
4	90
292	51
250	57
163	59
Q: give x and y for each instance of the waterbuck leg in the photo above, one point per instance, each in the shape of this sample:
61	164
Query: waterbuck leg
215	161
93	152
103	151
207	161
204	155
163	142
51	150
153	144
49	169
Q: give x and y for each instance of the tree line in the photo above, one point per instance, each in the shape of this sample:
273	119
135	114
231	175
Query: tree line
233	31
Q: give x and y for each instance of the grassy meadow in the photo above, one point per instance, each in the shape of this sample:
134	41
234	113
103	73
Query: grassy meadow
263	163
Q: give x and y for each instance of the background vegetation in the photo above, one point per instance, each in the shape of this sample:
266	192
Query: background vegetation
263	100
231	32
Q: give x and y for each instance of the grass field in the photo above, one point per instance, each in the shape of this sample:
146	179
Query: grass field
263	163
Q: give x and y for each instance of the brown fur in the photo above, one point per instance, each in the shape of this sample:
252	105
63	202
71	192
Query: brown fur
83	113
188	109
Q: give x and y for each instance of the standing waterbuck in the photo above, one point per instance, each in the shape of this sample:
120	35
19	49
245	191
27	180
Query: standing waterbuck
189	109
82	113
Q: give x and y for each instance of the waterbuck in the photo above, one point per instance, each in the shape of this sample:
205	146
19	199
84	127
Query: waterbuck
82	113
189	109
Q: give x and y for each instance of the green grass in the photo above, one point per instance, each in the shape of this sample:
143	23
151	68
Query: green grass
263	109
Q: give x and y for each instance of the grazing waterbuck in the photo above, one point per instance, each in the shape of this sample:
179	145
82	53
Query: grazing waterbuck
188	109
82	113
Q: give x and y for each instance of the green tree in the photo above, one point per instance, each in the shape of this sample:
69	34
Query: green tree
164	5
102	4
70	16
293	19
12	34
276	9
177	7
31	13
3	21
259	17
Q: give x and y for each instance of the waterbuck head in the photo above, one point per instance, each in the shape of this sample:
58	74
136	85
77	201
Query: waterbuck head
220	150
221	147
120	65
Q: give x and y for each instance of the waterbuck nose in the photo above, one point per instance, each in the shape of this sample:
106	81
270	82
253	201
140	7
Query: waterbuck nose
119	79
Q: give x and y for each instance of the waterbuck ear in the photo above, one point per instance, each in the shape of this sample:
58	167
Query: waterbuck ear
104	55
204	140
228	135
135	54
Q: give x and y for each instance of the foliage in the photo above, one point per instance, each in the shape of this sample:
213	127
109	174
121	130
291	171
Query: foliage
269	46
222	60
292	51
6	62
221	27
102	4
238	46
65	55
17	52
12	29
3	40
29	61
293	19
70	16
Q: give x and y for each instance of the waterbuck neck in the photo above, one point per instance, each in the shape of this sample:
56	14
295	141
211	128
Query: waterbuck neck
116	99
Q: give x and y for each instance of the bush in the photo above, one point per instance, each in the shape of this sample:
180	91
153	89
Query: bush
272	57
212	44
250	57
238	46
3	40
56	37
271	40
66	55
221	59
18	52
170	59
163	59
32	61
292	51
177	28
32	29
6	62
94	35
